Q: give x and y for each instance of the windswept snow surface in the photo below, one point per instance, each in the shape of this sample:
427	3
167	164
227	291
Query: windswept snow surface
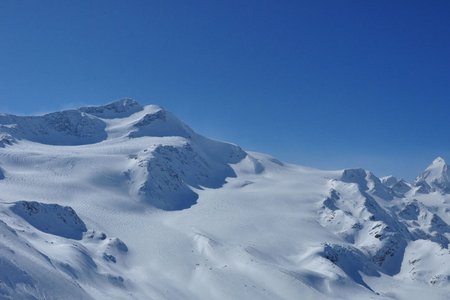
125	201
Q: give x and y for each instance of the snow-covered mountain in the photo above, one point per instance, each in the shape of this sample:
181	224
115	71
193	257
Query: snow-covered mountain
435	178
125	201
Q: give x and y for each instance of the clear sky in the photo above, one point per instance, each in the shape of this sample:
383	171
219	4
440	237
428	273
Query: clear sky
328	84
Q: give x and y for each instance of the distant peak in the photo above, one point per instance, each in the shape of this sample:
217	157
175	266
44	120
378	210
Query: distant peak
438	161
435	177
438	165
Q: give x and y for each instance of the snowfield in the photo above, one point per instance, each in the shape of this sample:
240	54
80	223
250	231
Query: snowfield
125	201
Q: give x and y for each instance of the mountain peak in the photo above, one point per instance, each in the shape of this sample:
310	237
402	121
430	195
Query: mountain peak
435	177
438	161
437	167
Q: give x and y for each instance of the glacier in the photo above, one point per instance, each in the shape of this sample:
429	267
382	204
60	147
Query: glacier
125	201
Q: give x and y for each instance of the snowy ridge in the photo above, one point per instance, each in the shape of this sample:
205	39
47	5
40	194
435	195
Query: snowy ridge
397	187
70	127
366	181
125	201
119	109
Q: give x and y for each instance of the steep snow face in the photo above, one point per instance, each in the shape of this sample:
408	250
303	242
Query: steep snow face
351	261
436	177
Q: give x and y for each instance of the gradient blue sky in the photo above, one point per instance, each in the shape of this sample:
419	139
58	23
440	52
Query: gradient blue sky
329	84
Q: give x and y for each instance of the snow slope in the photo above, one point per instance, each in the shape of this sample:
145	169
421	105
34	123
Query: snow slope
125	201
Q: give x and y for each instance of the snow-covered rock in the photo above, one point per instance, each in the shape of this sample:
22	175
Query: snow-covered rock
5	139
352	261
166	175
366	181
424	224
397	187
51	218
401	188
118	109
160	123
70	127
360	220
389	181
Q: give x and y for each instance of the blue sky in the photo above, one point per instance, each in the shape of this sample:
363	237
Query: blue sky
329	84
